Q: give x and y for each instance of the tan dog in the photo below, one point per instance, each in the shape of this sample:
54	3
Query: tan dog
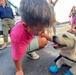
67	44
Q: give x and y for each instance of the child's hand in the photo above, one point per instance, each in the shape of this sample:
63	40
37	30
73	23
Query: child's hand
74	31
19	73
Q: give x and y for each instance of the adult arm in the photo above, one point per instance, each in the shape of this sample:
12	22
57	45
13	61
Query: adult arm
55	2
70	14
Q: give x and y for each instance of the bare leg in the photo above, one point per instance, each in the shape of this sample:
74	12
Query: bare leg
41	43
37	44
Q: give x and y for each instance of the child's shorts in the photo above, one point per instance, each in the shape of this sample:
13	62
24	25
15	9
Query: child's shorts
33	45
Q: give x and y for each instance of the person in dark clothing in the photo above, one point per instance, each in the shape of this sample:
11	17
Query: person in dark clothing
7	19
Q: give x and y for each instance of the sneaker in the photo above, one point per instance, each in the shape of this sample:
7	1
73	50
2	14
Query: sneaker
33	55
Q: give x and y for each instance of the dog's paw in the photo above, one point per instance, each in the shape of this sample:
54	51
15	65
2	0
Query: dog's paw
68	73
54	69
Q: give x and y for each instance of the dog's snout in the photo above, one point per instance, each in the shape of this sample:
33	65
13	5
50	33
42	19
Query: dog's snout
54	37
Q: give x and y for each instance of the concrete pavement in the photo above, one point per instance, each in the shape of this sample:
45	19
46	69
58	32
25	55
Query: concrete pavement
33	67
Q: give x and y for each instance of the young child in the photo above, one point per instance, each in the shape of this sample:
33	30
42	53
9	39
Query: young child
72	13
73	26
36	16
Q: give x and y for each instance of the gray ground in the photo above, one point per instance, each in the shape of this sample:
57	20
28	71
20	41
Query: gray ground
31	67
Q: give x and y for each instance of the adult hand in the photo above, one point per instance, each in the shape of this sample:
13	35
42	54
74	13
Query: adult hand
19	73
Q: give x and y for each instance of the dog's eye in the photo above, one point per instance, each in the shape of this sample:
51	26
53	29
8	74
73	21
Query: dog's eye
64	36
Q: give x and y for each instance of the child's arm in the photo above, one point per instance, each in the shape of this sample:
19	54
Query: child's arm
46	36
18	67
70	14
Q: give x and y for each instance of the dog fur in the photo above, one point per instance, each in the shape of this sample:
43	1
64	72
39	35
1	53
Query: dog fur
66	43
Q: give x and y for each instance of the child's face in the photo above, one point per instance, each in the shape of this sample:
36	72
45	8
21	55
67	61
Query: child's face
36	30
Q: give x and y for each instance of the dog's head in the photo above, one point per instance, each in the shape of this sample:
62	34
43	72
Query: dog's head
66	42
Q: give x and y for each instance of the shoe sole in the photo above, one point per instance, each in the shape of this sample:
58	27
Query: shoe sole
32	58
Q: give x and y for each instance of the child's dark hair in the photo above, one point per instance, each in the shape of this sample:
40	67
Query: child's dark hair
35	12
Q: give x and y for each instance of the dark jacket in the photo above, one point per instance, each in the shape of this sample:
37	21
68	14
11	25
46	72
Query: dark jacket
6	12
